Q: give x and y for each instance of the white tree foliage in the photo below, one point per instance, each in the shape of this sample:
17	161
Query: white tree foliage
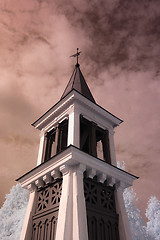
153	215
137	224
12	213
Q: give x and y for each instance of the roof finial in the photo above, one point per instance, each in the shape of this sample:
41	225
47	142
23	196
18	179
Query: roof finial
76	55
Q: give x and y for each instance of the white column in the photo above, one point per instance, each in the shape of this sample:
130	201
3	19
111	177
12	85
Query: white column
64	223
72	220
112	148
41	146
124	227
74	129
26	232
80	231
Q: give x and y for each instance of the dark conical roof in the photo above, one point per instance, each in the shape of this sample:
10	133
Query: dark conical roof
78	83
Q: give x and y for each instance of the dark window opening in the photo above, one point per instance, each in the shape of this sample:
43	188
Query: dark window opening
51	144
84	135
56	140
94	140
62	136
99	144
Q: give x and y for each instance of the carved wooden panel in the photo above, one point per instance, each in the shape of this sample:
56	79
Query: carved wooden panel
49	197
101	211
45	217
44	227
100	195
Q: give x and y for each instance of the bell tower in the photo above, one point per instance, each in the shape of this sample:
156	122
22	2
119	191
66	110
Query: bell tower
76	189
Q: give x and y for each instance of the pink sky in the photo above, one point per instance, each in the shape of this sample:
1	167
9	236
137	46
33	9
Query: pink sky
120	48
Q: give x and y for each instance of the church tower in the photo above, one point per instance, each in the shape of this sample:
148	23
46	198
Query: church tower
76	189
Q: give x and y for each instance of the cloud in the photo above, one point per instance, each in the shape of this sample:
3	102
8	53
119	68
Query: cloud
123	33
119	41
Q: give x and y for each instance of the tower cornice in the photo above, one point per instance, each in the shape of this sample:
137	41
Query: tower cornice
71	157
60	109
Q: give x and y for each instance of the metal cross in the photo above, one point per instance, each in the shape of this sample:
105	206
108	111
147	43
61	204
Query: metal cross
76	55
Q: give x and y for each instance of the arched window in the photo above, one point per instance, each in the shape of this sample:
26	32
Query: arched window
53	227
92	228
109	231
39	232
34	231
102	235
46	229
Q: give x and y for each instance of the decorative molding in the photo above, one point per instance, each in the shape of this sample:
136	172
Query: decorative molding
111	181
80	168
47	178
31	187
75	99
39	183
64	169
56	174
120	186
53	113
101	177
71	157
91	173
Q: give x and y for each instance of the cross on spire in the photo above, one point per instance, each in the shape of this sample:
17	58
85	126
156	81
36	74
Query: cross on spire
77	82
76	55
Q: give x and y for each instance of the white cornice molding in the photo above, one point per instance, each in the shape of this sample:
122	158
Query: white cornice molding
64	107
97	110
53	115
72	157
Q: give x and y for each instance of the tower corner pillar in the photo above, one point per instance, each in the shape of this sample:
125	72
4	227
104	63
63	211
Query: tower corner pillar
26	232
74	128
64	223
72	222
80	231
41	146
124	227
112	148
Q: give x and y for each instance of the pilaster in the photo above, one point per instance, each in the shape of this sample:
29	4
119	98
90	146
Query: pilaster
26	232
80	231
112	147
124	227
74	128
41	146
72	222
64	223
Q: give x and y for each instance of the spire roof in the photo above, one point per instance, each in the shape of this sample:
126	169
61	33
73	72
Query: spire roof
78	83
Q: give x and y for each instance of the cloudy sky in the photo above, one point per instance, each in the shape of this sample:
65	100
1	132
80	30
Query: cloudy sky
120	61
